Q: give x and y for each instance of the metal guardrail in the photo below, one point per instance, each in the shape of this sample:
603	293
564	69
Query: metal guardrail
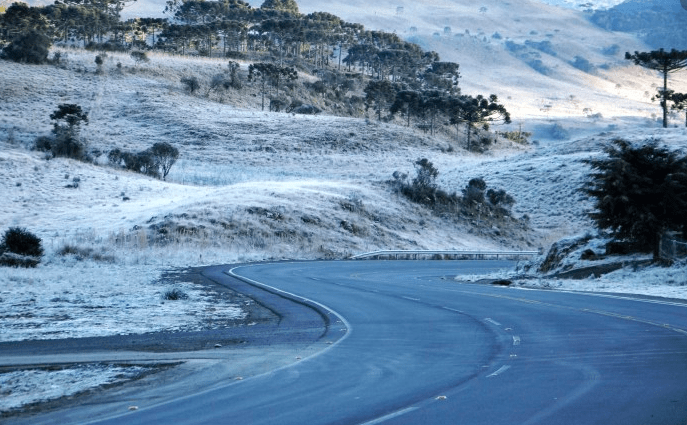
451	253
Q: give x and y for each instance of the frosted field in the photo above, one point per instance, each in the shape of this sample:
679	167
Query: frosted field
253	185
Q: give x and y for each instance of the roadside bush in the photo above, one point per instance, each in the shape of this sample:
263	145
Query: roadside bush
99	63
235	81
140	162
163	156
517	136
539	66
20	241
68	147
20	248
43	144
277	104
499	198
639	192
543	46
476	198
236	55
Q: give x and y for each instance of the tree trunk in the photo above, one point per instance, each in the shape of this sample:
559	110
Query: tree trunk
263	94
657	245
664	97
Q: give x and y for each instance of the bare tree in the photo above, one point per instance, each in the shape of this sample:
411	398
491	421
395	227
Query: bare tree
164	156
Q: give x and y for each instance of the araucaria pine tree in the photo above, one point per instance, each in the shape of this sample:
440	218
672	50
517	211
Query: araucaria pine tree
666	63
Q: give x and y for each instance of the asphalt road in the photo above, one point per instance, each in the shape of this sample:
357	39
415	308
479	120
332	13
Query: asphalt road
411	346
401	342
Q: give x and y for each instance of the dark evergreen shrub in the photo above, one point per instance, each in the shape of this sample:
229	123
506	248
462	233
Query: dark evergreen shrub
474	191
139	57
191	84
115	157
69	147
43	144
639	194
109	46
20	248
31	47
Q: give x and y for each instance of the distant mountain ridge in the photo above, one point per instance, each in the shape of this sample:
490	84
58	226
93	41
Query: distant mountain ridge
659	23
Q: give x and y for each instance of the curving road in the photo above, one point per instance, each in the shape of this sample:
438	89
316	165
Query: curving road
405	344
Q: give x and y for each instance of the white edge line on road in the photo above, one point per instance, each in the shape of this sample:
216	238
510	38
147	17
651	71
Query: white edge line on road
500	371
620	296
214	388
390	416
452	309
343	320
492	321
350	328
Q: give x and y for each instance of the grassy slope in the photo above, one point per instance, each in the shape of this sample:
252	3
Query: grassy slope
302	166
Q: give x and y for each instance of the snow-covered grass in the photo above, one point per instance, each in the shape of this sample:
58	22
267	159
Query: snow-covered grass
647	279
25	387
658	281
51	303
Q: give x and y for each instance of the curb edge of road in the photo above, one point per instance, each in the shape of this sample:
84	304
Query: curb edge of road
323	310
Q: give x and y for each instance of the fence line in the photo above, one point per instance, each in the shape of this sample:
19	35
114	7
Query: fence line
671	247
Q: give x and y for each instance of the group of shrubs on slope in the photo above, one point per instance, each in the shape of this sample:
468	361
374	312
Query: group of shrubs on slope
155	161
66	141
475	199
